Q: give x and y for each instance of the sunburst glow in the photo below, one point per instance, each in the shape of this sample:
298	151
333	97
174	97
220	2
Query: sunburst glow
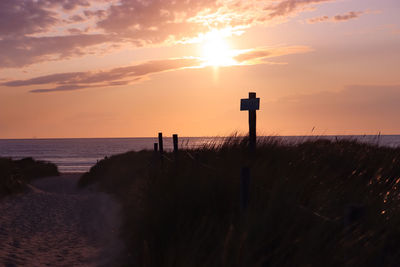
216	50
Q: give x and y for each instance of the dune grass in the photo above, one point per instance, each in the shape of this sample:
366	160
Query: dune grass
317	203
14	174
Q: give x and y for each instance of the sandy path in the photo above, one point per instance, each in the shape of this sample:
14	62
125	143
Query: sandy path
57	224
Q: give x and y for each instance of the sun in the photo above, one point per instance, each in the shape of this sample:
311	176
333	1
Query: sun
216	51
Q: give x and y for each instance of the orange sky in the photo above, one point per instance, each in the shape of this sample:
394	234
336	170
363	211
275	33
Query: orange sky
130	68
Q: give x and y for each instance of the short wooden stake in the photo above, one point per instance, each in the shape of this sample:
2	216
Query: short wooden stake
155	147
160	143
244	188
175	141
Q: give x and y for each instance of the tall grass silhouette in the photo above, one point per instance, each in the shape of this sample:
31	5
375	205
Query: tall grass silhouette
14	174
316	203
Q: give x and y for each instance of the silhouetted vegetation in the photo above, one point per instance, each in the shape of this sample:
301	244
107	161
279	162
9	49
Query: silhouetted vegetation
14	174
318	203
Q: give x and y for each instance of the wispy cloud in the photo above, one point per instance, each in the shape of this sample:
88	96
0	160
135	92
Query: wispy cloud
23	51
255	56
394	29
338	18
319	19
289	7
113	77
348	16
72	81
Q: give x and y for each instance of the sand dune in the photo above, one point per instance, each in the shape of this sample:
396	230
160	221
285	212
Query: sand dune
57	224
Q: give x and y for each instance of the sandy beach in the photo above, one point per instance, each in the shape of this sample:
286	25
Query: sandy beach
56	224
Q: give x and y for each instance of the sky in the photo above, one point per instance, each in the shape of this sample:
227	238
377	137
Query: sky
133	68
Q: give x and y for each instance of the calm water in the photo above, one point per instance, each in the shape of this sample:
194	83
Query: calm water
78	155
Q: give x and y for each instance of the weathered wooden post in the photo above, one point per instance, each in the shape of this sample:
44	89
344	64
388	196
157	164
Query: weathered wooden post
175	141
244	188
161	147
252	104
155	153
155	147
160	144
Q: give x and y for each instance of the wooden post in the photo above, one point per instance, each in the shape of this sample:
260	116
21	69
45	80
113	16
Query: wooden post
252	104
244	188
155	147
160	144
252	126
175	141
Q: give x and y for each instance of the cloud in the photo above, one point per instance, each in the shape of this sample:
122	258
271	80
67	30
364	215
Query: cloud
180	20
20	17
254	56
75	31
338	18
48	79
99	14
348	16
60	88
318	19
394	29
76	18
288	7
156	21
117	76
33	31
66	4
130	74
23	51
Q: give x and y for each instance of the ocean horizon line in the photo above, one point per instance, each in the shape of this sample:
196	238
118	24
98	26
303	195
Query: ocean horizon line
79	154
216	136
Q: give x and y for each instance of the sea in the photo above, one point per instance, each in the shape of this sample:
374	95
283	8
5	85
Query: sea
78	155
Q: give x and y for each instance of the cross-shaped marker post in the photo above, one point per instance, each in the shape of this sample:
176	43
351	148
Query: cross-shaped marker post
251	104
